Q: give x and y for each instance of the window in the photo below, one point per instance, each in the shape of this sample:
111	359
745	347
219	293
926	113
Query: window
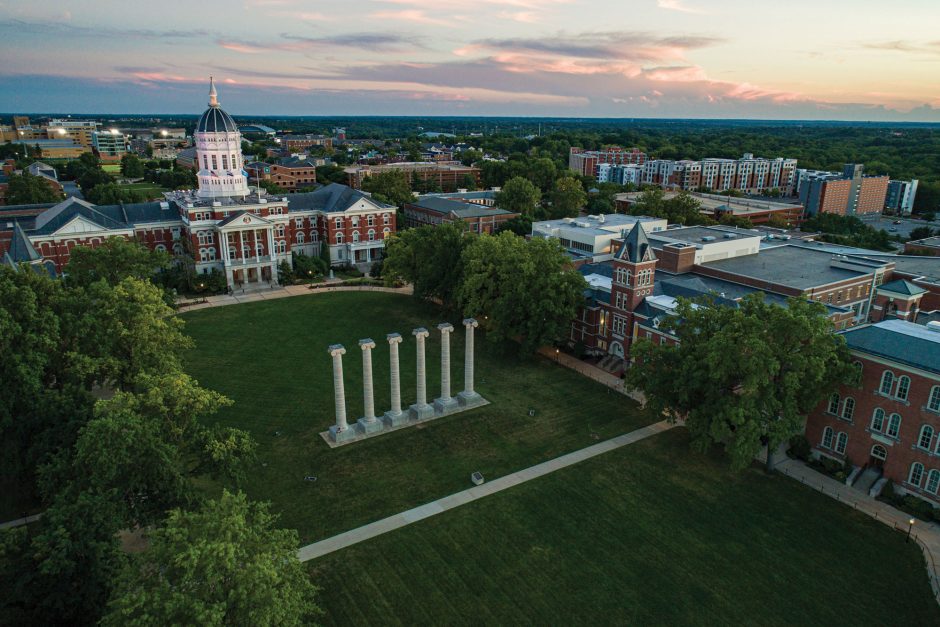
878	420
933	481
833	404
904	386
385	218
234	162
894	425
848	409
371	220
619	325
215	164
355	236
339	223
827	437
339	237
280	230
926	436
887	382
371	235
300	237
205	162
225	162
282	246
933	403
160	248
298	223
386	232
841	442
355	221
916	475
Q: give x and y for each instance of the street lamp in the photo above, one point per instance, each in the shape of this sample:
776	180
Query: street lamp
910	525
556	354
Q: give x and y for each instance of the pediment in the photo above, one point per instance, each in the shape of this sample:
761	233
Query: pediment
79	224
364	204
245	221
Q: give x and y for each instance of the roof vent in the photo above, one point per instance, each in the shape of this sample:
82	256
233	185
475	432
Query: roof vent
601	219
933	325
569	220
730	235
216	203
708	238
164	206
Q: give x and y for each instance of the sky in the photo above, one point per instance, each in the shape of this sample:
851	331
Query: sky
785	59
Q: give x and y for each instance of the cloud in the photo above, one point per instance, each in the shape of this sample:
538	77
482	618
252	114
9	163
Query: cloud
676	5
61	28
416	16
373	42
930	47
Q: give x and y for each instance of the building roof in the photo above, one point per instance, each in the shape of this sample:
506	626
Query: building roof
459	208
932	242
912	265
793	266
295	162
332	198
900	286
636	247
21	250
215	120
898	340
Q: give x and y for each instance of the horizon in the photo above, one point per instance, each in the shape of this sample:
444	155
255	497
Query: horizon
644	59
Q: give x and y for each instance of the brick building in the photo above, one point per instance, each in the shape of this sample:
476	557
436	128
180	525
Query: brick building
848	194
448	175
586	162
475	209
887	422
289	174
301	143
224	225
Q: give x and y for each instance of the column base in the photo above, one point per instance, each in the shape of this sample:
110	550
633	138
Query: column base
444	405
420	412
347	434
370	425
395	418
469	399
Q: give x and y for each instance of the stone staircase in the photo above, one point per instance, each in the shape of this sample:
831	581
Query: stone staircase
867	479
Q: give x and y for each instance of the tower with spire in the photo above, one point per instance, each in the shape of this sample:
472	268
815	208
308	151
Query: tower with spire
219	152
634	270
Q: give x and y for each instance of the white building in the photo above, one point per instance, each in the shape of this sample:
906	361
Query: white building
591	237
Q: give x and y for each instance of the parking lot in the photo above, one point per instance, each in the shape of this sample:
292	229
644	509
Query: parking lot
904	229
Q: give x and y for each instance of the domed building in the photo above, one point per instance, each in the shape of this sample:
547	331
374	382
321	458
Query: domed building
219	152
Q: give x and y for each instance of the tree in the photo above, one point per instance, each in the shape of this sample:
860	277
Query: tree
225	564
742	376
921	232
777	222
392	187
521	289
26	189
521	226
114	260
428	257
518	195
131	166
729	219
568	198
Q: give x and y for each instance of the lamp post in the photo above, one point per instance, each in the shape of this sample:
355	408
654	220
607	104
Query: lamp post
910	525
556	354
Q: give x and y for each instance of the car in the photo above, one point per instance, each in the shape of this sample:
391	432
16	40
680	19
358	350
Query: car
896	222
892	229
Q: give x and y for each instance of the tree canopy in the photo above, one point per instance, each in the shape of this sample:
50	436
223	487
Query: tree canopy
113	260
428	257
392	187
568	198
742	376
518	195
520	288
224	564
26	189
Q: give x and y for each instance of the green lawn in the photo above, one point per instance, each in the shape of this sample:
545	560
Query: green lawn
150	189
111	168
271	358
648	534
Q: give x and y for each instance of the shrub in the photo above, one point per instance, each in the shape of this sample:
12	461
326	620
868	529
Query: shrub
887	492
799	447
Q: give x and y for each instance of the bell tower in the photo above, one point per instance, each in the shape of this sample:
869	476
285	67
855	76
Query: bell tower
634	270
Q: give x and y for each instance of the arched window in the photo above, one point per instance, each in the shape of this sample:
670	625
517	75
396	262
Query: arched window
339	238
887	382
371	235
371	220
848	408
878	420
827	437
282	246
933	403
300	237
879	452
926	436
160	248
834	404
339	223
916	475
387	231
202	254
385	218
355	236
894	426
177	249
841	442
933	481
904	386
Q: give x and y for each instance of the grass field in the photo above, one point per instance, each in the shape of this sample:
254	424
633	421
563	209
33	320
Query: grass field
150	189
271	358
111	168
648	534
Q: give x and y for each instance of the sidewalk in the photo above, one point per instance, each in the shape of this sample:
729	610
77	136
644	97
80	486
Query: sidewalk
403	519
592	372
20	521
283	292
926	534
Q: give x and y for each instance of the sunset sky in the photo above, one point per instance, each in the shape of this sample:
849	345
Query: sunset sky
787	59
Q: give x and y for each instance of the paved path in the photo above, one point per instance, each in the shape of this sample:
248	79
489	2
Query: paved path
926	534
592	372
20	521
282	292
403	519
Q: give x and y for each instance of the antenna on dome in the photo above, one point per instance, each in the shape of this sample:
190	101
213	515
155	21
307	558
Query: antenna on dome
213	96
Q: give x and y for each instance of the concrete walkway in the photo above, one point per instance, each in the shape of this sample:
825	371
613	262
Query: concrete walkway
20	521
281	292
403	519
927	534
592	372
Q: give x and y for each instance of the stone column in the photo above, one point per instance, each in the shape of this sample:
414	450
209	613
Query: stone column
394	416
421	409
340	431
468	396
368	422
445	402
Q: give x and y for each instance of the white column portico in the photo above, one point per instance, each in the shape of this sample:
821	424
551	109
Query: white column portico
394	416
421	409
368	422
340	431
445	401
468	396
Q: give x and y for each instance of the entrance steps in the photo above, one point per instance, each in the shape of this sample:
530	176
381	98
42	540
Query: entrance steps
867	479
